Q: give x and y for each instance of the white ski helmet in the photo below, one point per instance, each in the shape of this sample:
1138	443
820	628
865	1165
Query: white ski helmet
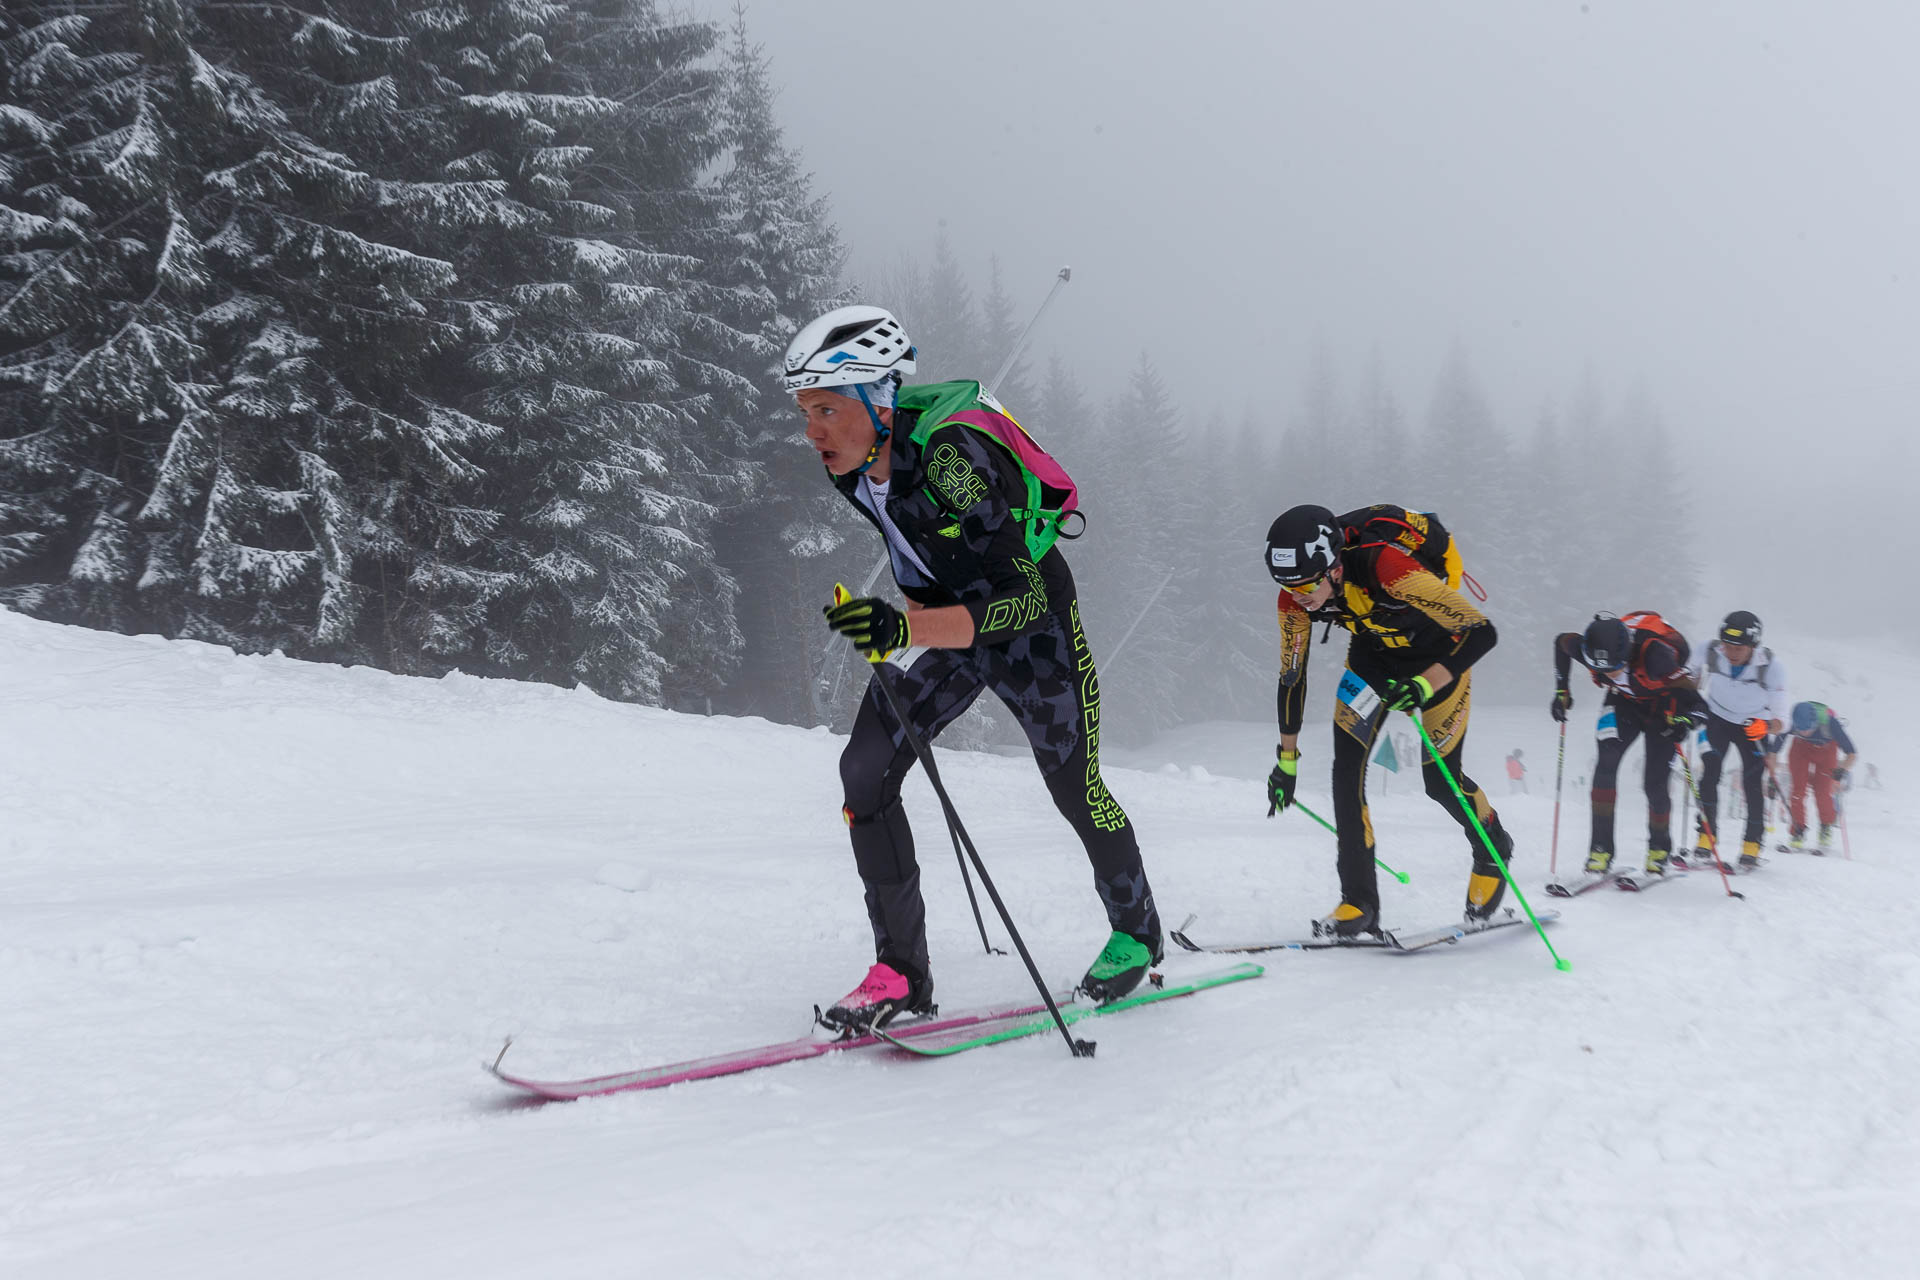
845	346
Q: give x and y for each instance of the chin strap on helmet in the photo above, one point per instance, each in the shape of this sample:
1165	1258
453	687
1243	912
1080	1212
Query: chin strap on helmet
881	431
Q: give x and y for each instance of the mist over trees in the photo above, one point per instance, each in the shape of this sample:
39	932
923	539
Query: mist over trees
1578	511
444	337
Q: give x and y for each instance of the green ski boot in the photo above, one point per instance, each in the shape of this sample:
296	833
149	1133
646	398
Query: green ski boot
1122	963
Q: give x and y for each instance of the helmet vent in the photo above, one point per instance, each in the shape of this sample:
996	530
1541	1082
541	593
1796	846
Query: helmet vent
847	332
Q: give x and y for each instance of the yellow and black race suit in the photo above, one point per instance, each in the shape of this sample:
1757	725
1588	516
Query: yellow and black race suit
1403	618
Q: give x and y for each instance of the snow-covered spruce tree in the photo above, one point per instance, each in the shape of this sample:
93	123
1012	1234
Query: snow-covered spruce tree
1151	559
1653	512
327	506
945	324
774	265
594	120
1234	626
221	359
101	273
1381	426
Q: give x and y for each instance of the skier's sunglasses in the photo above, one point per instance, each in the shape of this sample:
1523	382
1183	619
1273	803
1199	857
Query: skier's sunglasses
1306	588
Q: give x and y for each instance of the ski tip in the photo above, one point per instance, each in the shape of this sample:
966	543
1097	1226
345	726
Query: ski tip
494	1066
1183	941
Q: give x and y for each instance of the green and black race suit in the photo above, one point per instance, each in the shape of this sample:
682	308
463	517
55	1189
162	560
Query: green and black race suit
952	497
953	500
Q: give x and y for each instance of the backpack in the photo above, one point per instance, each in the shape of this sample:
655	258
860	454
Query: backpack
1416	533
1051	494
1646	624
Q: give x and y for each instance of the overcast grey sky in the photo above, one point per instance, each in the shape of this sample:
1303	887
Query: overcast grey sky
1716	200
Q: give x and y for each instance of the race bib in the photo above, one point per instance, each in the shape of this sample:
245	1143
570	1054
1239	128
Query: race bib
1357	708
1358	695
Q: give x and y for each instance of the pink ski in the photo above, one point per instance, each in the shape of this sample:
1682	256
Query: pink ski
772	1055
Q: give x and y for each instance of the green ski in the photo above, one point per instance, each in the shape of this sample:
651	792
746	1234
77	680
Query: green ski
1020	1026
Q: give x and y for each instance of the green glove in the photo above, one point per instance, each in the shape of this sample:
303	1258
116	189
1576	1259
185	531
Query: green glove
1280	783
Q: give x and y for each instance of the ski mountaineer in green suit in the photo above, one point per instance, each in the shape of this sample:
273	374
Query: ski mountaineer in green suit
969	508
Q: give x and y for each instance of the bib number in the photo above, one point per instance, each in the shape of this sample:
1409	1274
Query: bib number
1358	709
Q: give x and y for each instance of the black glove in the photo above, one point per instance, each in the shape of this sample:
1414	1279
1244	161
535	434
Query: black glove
1408	695
875	627
1562	703
1280	783
1839	774
1774	742
1679	724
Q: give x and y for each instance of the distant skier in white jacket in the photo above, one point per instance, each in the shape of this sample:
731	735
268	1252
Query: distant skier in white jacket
1746	692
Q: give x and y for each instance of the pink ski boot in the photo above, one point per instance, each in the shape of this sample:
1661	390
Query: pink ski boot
882	995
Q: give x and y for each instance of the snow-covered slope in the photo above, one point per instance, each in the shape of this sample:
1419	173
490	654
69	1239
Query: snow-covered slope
260	922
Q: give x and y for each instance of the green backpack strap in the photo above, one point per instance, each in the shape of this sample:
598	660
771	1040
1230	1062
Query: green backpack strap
966	404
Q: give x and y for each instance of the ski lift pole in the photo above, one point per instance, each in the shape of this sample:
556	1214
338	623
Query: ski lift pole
1401	876
1486	840
1140	618
1020	343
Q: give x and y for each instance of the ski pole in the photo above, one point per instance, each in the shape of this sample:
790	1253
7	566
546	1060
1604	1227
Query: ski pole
1559	776
972	901
1776	799
1846	841
1079	1048
1706	825
1686	757
1401	876
1498	861
1766	761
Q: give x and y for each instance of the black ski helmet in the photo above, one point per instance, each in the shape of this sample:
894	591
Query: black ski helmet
1740	627
1604	647
1303	544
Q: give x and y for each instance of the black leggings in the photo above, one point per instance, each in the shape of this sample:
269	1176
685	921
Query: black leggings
1357	718
1621	721
1047	679
1722	735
